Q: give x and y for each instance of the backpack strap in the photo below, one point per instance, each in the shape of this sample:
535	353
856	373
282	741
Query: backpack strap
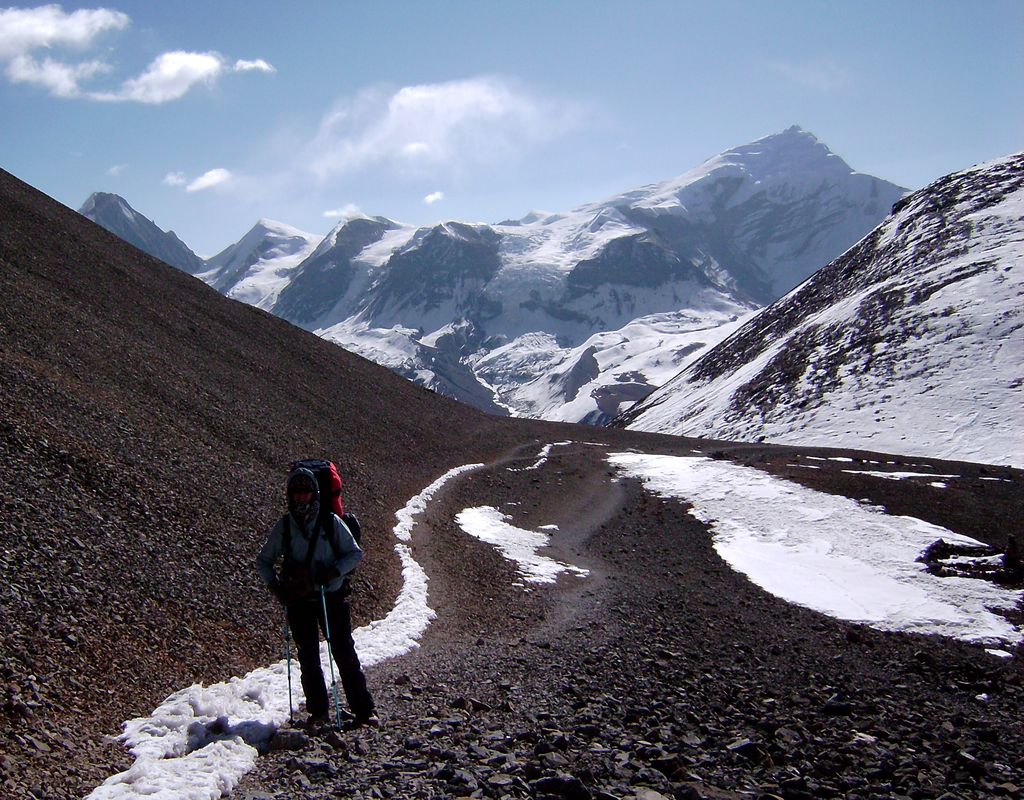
286	537
311	550
330	533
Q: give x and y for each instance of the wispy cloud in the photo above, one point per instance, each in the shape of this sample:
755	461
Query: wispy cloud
117	169
259	65
426	128
820	76
346	212
24	31
210	179
169	77
433	197
175	179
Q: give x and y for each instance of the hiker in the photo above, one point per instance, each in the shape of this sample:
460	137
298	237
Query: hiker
313	557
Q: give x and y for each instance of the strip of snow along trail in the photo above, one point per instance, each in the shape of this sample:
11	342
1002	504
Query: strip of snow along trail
829	553
489	525
542	457
200	742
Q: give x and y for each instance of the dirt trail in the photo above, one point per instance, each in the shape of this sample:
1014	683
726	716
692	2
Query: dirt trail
664	671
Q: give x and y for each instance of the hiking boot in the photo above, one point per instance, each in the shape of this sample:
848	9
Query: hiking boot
318	720
368	721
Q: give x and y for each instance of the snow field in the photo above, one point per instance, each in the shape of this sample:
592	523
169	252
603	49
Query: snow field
834	555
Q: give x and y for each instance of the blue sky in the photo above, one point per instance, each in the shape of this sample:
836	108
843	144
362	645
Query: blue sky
209	116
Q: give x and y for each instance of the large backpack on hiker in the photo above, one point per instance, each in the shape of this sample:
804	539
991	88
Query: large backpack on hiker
328	480
297	577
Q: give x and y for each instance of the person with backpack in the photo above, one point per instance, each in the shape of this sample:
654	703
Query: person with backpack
318	553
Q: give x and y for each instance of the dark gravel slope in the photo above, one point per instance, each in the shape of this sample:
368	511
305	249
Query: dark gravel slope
145	426
664	671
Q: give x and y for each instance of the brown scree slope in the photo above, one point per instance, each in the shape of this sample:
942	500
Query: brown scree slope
145	425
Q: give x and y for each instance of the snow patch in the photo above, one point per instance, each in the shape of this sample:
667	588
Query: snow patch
489	525
830	553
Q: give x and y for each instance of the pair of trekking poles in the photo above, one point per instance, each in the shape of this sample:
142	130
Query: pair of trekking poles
330	661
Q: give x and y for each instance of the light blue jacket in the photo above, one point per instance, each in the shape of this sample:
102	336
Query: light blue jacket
348	550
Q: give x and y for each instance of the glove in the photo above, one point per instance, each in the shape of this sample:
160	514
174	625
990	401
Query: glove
325	573
278	591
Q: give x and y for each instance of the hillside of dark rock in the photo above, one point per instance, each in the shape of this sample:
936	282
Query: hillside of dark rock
146	425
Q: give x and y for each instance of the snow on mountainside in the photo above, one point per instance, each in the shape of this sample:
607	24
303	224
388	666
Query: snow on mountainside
568	316
502	316
114	214
257	267
911	342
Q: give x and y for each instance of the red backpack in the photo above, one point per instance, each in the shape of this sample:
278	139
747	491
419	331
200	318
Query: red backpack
328	480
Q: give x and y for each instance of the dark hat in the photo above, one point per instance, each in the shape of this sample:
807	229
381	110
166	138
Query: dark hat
303	478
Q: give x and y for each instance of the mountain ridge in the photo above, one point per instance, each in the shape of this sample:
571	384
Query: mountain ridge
144	440
122	220
435	302
917	328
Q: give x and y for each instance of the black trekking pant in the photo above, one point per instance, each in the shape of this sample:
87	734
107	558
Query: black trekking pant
306	619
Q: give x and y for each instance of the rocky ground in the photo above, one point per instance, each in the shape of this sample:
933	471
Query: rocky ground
146	425
662	674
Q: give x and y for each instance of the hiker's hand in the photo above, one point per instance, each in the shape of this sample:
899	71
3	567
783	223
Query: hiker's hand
279	592
325	573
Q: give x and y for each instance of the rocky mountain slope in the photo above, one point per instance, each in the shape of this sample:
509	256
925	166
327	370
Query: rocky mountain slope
259	265
913	341
545	316
146	424
144	434
114	214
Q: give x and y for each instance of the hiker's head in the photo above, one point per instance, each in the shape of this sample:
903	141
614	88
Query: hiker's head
303	494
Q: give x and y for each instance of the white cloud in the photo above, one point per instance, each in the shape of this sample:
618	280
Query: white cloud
169	77
23	30
117	169
62	80
214	177
433	127
175	179
433	197
259	65
347	212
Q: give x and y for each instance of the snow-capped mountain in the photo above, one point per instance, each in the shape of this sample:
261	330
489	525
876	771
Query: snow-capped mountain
113	213
257	267
502	316
911	342
570	316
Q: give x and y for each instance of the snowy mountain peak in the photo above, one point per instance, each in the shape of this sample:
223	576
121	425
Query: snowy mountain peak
479	311
908	343
787	155
259	265
105	203
113	212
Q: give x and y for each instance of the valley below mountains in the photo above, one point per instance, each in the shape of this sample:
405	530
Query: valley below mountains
146	427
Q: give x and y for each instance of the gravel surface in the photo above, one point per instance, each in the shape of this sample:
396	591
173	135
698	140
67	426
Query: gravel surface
146	425
663	673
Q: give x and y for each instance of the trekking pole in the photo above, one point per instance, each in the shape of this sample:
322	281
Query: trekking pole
330	658
288	656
